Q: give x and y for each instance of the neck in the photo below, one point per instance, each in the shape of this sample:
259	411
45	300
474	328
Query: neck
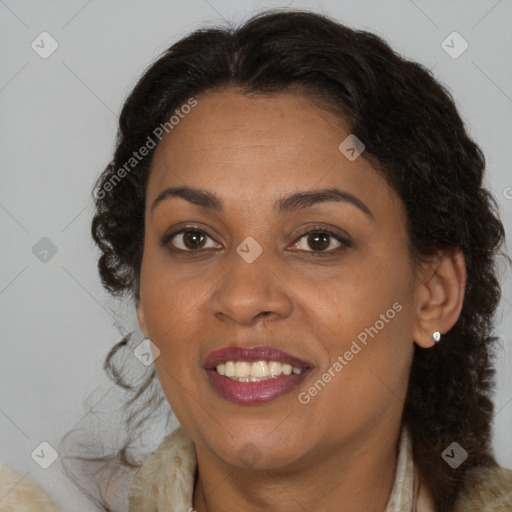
422	495
356	477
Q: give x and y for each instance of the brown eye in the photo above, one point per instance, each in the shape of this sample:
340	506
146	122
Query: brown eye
187	240
193	238
321	241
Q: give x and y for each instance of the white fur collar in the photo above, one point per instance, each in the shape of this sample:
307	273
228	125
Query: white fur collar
165	481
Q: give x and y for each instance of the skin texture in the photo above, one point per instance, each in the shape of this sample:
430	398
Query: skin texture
337	452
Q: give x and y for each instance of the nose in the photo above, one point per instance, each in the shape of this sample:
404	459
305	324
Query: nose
249	292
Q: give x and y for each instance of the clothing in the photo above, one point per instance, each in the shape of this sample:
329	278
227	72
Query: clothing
18	494
165	483
175	461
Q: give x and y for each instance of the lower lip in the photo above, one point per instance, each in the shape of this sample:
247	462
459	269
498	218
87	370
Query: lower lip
249	393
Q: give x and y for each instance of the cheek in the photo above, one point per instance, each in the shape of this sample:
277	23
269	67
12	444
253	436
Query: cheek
368	342
168	295
365	375
355	296
172	312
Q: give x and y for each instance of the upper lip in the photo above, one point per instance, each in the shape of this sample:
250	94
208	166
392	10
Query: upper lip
252	354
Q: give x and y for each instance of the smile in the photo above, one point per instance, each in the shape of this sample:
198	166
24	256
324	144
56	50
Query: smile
254	375
245	371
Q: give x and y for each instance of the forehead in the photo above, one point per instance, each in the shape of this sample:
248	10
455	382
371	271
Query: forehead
234	128
261	146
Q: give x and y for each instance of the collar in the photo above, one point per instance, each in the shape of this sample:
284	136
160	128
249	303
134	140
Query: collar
165	481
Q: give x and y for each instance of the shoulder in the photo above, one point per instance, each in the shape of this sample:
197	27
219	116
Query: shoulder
486	489
22	494
165	481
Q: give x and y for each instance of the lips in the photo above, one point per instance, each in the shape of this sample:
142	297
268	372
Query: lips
251	393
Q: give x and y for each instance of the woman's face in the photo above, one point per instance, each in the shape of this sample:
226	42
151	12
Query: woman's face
248	274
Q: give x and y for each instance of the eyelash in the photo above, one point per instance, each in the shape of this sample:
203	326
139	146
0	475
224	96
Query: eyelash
345	244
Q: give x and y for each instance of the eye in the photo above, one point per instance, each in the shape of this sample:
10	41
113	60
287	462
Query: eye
322	241
188	239
192	239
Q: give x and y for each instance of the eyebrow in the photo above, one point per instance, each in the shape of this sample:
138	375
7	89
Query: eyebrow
292	202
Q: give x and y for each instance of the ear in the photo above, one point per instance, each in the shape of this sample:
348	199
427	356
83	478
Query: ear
141	318
439	296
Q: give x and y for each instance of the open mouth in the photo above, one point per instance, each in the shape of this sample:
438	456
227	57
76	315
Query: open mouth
254	375
245	371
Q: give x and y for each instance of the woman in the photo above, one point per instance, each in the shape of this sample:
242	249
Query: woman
299	215
311	253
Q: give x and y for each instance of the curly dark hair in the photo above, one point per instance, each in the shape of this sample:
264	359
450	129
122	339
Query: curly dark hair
414	137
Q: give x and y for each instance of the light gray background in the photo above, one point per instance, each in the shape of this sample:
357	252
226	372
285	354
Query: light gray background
59	119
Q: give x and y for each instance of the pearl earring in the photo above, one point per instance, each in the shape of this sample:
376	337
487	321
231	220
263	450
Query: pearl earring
436	336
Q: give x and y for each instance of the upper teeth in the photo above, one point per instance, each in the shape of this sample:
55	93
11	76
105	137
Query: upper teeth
245	371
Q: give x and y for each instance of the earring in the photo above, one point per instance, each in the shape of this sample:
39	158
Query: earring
436	336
